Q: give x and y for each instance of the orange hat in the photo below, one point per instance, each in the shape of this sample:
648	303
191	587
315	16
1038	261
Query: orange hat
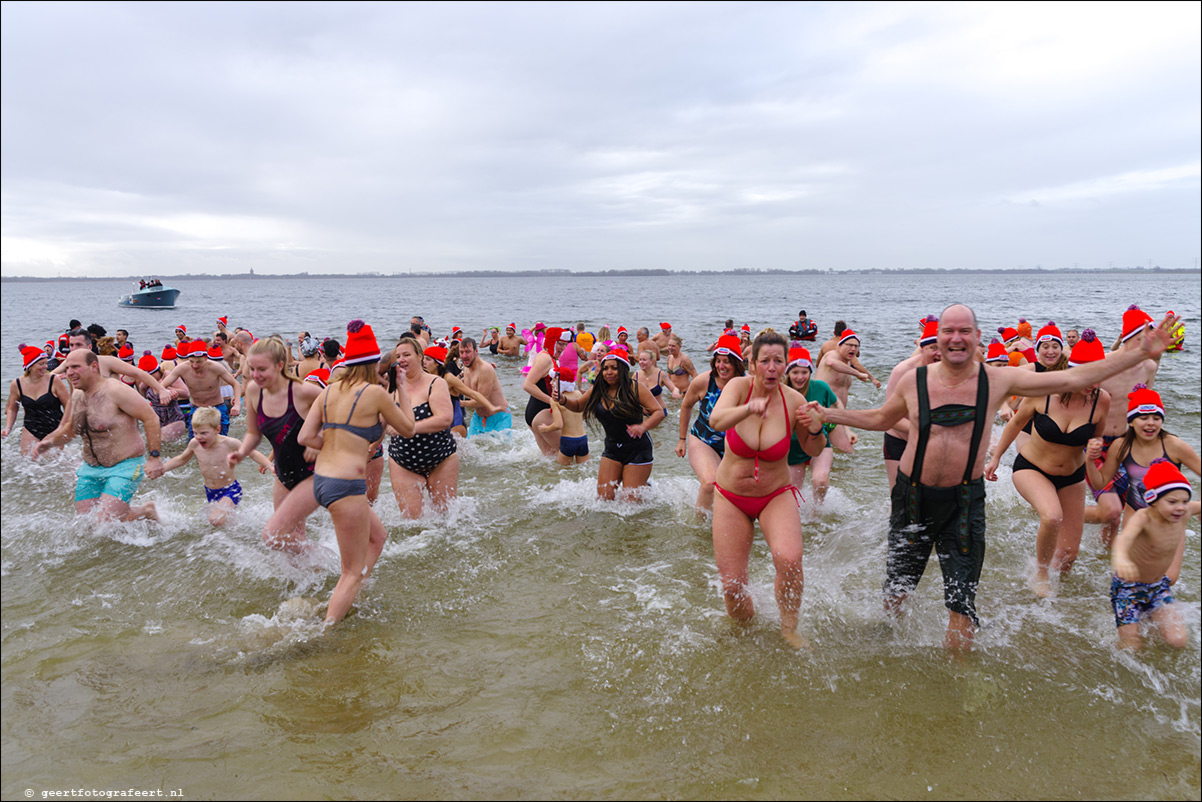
148	363
1134	320
126	353
997	352
799	356
730	345
930	332
30	355
436	352
1143	401
1163	477
361	345
1023	328
1088	349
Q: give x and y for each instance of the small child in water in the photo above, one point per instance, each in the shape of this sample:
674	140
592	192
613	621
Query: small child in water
1149	549
573	439
211	449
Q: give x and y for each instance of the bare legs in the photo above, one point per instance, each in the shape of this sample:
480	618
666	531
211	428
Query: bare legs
1061	519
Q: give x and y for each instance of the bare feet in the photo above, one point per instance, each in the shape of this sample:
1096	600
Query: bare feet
1040	584
794	639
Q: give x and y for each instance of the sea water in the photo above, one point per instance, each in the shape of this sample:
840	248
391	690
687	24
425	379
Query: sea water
535	642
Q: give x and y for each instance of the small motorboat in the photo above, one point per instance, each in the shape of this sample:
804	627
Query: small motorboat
151	295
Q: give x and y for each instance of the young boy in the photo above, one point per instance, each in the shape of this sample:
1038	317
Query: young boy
1149	548
573	439
211	448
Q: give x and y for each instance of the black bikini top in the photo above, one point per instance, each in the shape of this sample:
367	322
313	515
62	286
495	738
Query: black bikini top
1050	431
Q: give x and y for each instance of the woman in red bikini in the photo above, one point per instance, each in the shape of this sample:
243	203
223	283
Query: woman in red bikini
759	414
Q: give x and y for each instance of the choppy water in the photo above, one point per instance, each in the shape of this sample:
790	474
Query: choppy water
535	642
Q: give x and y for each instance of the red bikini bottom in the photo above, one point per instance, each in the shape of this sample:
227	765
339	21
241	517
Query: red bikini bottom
752	506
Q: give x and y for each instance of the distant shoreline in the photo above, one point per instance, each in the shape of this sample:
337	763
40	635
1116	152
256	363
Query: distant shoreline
621	273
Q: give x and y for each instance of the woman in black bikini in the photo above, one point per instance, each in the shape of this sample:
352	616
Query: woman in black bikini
276	406
339	480
43	397
428	458
626	411
1049	471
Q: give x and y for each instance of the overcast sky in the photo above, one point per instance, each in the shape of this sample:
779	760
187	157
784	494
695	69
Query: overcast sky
167	138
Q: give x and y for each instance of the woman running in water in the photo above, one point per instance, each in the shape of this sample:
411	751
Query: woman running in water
1049	471
346	421
650	376
427	459
701	443
760	415
541	384
798	376
627	411
681	371
42	396
276	406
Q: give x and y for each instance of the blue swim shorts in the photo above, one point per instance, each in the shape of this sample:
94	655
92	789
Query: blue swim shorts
1131	600
574	446
231	491
119	481
500	422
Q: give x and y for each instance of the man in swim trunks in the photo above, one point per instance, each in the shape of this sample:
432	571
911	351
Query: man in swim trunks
895	438
481	376
204	378
510	344
105	413
841	364
664	337
1109	509
939	497
833	342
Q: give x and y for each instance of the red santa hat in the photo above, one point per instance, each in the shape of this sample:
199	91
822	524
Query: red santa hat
192	348
620	354
30	355
622	330
799	356
1007	333
169	353
436	352
126	353
997	352
216	354
1049	333
182	328
1088	349
848	334
361	345
148	363
1134	320
746	327
320	377
668	326
223	321
730	345
930	333
1143	401
1163	477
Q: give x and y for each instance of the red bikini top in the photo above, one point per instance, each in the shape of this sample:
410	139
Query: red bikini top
775	452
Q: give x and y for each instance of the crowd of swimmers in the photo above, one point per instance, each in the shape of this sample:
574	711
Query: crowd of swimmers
766	412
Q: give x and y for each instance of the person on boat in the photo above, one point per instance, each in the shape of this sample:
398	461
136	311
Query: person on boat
173	422
760	415
427	459
276	407
481	377
541	384
935	502
1129	456
681	370
204	378
116	459
798	374
345	422
701	443
803	329
1049	471
42	397
626	411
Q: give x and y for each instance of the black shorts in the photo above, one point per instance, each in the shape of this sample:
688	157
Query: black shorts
629	451
894	447
926	517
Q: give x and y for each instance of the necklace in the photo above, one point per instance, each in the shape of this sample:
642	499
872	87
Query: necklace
939	376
